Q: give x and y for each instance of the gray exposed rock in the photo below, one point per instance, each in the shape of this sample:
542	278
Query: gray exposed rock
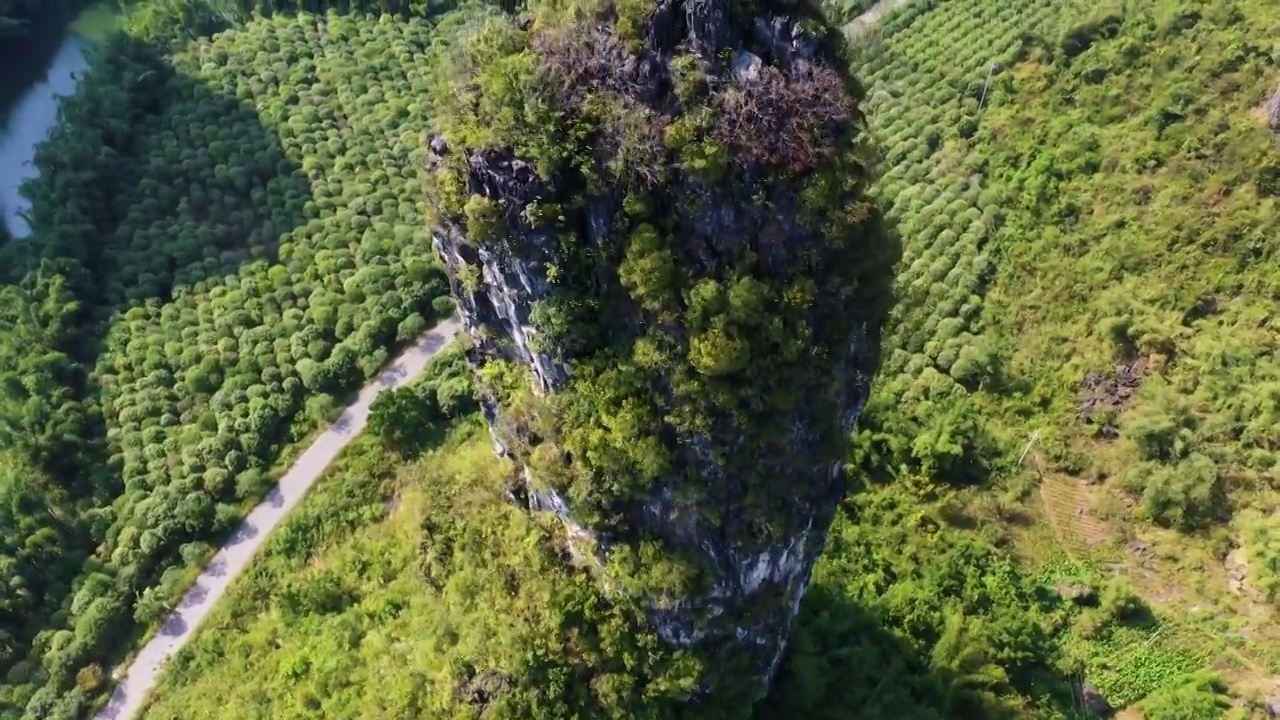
746	66
708	22
1093	702
1104	393
1273	111
758	575
1138	547
785	43
1076	592
497	313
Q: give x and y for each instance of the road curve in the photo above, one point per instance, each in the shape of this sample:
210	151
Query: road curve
181	625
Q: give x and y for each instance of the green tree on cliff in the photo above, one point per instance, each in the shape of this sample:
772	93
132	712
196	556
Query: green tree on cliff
659	219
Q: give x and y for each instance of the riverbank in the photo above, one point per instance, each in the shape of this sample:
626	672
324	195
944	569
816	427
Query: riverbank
41	67
29	123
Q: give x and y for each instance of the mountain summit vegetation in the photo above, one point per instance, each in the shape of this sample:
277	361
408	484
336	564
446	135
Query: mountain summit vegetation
657	223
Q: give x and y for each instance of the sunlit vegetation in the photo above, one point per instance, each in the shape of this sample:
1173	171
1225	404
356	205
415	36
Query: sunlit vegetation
410	417
1087	304
408	590
226	241
395	588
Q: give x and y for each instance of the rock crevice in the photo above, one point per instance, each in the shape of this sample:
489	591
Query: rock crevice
684	264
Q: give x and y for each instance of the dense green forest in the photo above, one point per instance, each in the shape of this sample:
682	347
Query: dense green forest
1068	468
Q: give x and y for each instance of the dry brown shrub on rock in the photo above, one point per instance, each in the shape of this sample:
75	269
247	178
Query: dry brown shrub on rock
785	120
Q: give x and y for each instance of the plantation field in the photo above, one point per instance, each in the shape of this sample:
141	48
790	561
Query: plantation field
1087	199
226	239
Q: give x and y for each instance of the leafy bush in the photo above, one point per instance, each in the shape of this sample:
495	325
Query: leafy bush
1188	495
408	417
1080	37
1260	533
1200	696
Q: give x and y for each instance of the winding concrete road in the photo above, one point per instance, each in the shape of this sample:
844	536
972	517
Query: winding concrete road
181	625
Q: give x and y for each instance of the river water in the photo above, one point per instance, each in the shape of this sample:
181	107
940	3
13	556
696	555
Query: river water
38	71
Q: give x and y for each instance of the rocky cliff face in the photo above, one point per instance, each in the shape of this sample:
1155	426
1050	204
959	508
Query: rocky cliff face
655	223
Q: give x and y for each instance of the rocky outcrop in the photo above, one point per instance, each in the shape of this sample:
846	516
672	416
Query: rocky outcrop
1093	702
681	261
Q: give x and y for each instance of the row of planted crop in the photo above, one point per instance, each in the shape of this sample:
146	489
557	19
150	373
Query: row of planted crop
924	79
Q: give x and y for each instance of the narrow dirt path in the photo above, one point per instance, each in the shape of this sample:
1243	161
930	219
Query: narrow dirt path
235	555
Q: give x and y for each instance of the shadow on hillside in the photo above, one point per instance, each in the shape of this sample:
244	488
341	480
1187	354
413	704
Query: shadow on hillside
167	186
26	57
187	187
842	663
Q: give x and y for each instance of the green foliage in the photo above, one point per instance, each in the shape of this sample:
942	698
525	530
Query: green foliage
633	17
842	11
408	417
1119	602
225	243
484	219
1118	605
1200	696
1163	428
398	416
1187	496
33	545
211	248
950	624
1066	205
648	270
450	604
1261	539
691	138
1081	36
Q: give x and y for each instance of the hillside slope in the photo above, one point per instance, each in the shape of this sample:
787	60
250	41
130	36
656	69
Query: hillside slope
1085	347
216	257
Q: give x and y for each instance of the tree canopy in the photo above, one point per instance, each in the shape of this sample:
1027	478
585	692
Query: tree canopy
226	240
1071	442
